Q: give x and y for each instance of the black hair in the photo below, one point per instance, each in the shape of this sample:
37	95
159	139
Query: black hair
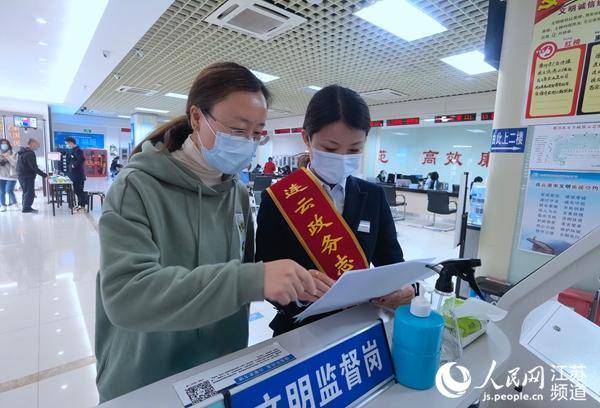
32	140
212	85
434	176
8	143
269	159
477	179
335	103
70	140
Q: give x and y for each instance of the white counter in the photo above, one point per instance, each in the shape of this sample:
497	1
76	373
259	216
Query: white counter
319	335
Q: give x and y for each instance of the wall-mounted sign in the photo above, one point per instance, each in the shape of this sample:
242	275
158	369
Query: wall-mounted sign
403	121
297	130
509	140
458	117
377	123
84	140
487	115
282	131
564	81
126	130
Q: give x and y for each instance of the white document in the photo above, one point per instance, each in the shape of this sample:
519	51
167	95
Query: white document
203	386
360	286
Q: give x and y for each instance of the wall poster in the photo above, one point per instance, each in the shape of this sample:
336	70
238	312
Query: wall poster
562	200
564	81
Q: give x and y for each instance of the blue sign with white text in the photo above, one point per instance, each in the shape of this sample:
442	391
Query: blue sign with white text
84	140
335	377
509	140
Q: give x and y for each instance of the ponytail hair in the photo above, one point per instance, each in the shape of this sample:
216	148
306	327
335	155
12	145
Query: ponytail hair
210	87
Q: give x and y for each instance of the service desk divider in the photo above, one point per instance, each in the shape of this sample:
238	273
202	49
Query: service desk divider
345	374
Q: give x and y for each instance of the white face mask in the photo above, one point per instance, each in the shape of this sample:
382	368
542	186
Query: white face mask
334	168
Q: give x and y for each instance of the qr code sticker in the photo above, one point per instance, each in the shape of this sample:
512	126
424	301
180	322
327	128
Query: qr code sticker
201	391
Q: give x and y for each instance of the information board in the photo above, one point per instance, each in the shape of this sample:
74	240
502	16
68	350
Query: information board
564	79
84	140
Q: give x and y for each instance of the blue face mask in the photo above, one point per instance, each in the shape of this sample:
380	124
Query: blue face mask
4	147
230	154
334	168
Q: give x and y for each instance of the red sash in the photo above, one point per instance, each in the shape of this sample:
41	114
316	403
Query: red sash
317	224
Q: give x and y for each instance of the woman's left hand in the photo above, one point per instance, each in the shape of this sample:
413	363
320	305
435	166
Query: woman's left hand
395	299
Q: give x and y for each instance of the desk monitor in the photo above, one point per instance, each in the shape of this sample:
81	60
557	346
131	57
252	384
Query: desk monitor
414	178
262	182
391	178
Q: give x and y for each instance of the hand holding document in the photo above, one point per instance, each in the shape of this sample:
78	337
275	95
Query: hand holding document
360	286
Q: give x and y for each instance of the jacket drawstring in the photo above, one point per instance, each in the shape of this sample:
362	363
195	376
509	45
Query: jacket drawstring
199	226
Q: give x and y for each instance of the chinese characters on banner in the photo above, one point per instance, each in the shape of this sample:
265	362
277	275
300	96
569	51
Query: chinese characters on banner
565	68
335	377
453	158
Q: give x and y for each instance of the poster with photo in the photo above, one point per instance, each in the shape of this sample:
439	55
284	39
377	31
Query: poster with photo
564	79
560	207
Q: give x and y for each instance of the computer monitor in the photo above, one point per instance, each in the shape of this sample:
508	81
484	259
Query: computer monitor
391	178
455	188
403	182
414	178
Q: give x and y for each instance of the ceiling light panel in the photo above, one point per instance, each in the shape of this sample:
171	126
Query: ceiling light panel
334	46
401	18
471	63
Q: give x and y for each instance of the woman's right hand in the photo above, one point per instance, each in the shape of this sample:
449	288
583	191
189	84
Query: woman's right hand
286	282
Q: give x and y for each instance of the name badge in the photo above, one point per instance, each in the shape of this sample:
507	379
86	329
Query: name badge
364	226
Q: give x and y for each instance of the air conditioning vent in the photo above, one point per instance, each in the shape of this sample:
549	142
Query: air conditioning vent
383	95
256	18
137	91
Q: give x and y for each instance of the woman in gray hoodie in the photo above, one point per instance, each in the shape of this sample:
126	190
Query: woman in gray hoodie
8	175
177	270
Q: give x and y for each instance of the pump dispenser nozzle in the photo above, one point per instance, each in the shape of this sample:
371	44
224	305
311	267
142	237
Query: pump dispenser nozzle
461	268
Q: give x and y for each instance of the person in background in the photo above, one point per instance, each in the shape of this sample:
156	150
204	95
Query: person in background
115	167
8	175
270	167
432	182
382	176
75	171
257	169
177	270
335	130
286	170
27	169
477	179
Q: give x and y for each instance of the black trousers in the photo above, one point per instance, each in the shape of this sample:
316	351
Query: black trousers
81	195
28	186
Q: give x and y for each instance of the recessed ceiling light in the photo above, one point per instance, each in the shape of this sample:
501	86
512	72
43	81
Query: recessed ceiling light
151	110
43	44
42	59
401	18
176	95
264	77
41	20
314	87
471	62
60	353
429	120
58	330
64	386
462	146
476	131
1	309
124	116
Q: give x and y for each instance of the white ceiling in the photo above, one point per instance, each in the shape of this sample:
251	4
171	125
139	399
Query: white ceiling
333	46
75	35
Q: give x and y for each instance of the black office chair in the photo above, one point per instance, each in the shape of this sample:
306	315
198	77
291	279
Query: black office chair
438	202
392	199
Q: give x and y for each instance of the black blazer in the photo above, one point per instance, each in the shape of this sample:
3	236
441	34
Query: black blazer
75	161
364	201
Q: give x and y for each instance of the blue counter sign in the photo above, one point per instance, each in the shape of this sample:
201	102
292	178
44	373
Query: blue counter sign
509	140
335	377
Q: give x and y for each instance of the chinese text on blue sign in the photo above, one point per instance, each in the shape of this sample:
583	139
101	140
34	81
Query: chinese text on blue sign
509	140
335	377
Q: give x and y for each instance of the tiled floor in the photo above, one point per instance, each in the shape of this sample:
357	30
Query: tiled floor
47	296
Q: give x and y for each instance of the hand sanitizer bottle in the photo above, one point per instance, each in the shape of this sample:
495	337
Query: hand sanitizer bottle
417	343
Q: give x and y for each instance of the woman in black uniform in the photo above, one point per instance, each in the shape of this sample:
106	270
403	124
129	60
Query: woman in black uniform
335	129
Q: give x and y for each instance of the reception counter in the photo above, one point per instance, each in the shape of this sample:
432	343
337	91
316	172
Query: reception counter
311	339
